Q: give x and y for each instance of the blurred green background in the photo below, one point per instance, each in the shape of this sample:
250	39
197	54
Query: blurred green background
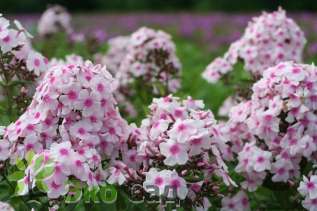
25	6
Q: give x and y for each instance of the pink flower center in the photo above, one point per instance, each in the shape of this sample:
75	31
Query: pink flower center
314	201
37	115
93	119
81	151
163	116
175	183
81	131
78	163
37	62
231	205
112	131
72	95
103	145
30	127
178	113
63	152
280	56
54	185
103	102
281	171
268	118
95	158
6	39
245	202
293	142
48	122
158	181
58	169
29	147
310	185
196	141
313	98
181	127
88	102
260	159
132	158
100	87
174	149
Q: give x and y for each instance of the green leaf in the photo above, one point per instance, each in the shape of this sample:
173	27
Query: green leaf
76	183
41	186
91	195
6	190
29	156
36	205
108	194
21	188
15	176
45	172
38	163
74	195
20	164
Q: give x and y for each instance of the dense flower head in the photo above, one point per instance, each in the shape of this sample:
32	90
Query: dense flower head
21	66
253	162
72	103
151	57
17	53
308	189
238	202
268	40
180	134
235	129
118	49
54	168
278	124
54	19
163	179
144	62
283	105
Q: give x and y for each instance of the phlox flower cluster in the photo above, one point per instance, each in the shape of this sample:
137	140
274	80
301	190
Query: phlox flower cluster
308	189
268	40
180	135
235	129
279	124
20	65
60	163
73	118
144	61
17	53
163	179
238	202
151	58
54	19
118	49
